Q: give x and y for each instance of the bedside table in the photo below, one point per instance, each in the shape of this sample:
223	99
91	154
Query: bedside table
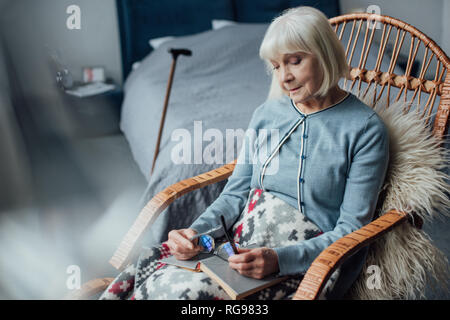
96	115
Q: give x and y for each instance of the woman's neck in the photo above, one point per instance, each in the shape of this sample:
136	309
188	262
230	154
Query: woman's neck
333	96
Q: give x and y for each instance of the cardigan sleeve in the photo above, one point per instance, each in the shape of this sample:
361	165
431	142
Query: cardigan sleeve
363	184
233	198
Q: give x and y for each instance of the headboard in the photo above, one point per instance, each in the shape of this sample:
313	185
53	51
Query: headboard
142	20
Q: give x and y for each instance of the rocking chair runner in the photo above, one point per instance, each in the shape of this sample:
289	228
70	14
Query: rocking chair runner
383	80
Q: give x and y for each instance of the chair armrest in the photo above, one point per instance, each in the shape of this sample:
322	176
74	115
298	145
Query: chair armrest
126	250
89	289
332	257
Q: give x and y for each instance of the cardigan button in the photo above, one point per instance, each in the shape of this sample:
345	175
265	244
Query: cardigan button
305	136
303	157
302	204
302	180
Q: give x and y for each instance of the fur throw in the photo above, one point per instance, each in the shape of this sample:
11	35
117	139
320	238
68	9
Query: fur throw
415	182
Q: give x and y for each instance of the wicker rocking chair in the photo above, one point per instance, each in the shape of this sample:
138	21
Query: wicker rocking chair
417	81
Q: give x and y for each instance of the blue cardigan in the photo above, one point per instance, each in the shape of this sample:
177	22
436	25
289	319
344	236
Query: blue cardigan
329	164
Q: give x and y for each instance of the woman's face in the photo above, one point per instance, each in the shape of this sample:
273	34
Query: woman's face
299	75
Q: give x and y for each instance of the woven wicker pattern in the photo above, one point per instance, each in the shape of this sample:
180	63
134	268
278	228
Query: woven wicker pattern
425	78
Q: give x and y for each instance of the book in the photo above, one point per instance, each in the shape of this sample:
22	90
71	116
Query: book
192	264
237	286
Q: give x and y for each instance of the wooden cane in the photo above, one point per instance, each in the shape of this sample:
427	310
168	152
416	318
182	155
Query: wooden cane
175	53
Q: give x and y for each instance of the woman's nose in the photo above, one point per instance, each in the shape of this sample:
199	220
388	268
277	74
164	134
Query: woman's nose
286	75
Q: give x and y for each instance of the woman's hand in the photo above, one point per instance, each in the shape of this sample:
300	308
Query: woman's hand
255	263
180	245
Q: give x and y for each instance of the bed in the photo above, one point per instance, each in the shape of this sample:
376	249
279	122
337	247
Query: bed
214	92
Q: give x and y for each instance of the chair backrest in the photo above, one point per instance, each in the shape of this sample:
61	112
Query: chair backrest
425	67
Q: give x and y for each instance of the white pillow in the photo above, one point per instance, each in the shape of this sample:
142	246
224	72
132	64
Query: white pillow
156	42
135	65
217	24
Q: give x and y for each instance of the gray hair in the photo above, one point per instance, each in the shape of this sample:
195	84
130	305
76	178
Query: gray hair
305	29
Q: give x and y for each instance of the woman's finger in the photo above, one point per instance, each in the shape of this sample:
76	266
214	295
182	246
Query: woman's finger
180	239
172	248
244	250
189	233
241	266
243	257
182	256
252	273
175	248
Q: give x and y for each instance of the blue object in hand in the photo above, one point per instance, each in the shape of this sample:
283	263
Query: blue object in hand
206	242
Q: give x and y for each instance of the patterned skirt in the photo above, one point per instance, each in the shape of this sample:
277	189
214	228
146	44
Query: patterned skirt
266	221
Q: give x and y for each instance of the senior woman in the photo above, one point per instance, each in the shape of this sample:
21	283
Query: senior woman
319	181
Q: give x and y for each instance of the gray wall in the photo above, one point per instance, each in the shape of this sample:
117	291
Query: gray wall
427	16
446	27
15	178
30	30
35	29
15	182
